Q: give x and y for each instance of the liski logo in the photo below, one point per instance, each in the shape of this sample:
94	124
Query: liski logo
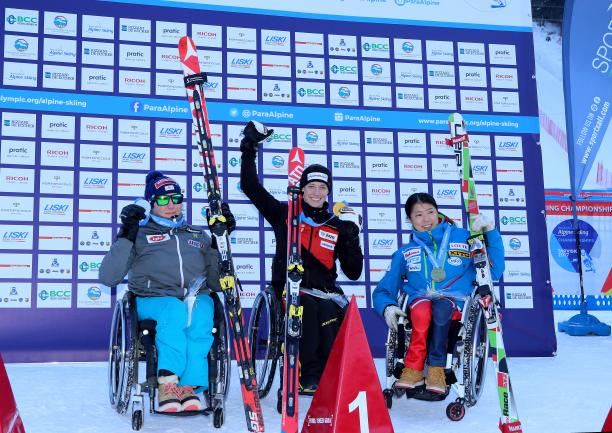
136	106
408	47
312	137
376	69
60	21
21	45
344	92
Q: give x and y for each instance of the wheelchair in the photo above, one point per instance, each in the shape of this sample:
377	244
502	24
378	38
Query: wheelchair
467	358
132	341
266	335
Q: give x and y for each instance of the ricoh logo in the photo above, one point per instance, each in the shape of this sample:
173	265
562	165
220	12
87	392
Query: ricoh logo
412	166
51	152
381	191
312	137
173	57
17	179
131	80
206	35
470	98
89	127
504	76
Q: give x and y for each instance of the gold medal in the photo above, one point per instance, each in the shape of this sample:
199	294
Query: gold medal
438	274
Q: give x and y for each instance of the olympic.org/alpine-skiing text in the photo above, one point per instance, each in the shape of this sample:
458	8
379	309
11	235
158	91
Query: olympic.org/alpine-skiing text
43	101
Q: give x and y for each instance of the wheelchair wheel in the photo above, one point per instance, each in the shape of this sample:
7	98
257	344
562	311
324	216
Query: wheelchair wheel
122	357
476	353
264	339
219	361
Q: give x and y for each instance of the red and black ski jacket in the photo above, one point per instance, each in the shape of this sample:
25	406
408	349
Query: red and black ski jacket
324	236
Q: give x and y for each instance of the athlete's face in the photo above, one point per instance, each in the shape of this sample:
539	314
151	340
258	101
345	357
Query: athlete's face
169	210
315	194
424	217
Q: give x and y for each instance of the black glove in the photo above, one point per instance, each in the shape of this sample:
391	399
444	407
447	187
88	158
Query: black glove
254	133
350	233
230	221
130	216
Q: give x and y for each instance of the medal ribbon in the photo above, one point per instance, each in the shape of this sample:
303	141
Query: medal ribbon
441	252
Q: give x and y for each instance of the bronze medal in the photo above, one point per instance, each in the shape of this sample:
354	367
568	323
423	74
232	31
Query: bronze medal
438	274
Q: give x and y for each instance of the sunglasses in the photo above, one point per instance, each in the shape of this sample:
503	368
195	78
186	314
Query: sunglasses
163	200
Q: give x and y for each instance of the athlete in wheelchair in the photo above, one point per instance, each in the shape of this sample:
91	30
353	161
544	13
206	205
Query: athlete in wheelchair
441	321
171	316
325	238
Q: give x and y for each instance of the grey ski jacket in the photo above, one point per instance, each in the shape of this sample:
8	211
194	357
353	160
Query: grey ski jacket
162	261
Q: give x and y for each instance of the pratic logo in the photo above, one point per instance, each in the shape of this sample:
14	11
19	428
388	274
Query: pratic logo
502	54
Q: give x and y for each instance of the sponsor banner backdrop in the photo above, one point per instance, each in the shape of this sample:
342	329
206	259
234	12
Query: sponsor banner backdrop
92	99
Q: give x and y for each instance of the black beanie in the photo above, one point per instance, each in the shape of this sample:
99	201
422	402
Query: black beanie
316	173
159	184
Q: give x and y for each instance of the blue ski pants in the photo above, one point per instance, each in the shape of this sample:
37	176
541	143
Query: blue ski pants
182	350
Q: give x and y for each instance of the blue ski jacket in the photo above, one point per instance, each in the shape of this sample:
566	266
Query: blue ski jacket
410	268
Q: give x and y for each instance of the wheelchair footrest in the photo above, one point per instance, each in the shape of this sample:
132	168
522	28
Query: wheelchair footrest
421	393
205	412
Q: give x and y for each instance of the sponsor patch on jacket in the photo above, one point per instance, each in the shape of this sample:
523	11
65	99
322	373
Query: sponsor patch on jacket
414	267
153	239
328	235
411	252
454	261
455	253
194	243
327	245
458	246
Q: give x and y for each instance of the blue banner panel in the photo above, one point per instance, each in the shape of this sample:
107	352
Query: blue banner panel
92	98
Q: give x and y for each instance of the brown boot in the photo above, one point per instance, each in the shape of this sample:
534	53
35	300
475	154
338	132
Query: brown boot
167	399
435	380
410	378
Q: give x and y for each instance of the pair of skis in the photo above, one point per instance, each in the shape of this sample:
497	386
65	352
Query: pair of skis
194	82
489	295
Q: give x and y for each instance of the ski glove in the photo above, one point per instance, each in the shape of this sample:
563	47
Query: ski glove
254	133
130	216
482	223
349	214
392	314
230	221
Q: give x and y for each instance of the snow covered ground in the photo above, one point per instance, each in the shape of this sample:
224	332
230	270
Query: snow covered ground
571	392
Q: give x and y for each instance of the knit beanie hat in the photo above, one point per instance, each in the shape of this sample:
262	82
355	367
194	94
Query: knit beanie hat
159	184
314	173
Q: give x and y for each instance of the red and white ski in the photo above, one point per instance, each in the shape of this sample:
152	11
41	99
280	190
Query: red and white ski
293	312
194	84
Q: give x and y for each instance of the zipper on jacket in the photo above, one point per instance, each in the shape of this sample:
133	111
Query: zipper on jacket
180	258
